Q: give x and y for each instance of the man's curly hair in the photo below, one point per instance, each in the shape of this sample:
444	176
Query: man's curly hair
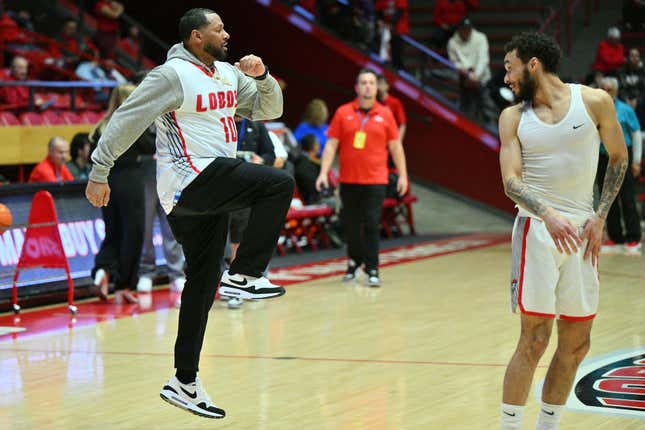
538	45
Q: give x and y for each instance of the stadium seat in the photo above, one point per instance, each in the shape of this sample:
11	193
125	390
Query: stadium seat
90	117
71	117
7	118
31	118
52	118
396	209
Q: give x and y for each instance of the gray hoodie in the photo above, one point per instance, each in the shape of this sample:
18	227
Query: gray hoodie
160	93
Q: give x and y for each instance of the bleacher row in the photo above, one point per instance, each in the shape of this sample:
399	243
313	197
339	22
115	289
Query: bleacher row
50	118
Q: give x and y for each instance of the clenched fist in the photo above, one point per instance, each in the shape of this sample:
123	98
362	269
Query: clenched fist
251	65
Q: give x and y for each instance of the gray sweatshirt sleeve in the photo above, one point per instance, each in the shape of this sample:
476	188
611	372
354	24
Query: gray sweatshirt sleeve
160	92
258	99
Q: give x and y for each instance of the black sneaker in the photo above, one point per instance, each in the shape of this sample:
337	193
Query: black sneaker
350	274
240	287
372	278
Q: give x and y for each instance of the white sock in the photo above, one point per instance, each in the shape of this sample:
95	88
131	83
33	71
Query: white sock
549	416
511	417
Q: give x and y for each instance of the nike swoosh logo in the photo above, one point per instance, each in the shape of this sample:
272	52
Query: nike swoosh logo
575	127
509	414
548	413
189	394
240	283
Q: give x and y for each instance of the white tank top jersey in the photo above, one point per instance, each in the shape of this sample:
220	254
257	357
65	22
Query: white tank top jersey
559	161
202	129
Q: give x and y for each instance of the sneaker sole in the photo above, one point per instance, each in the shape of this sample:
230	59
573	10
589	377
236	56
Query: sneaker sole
175	401
229	291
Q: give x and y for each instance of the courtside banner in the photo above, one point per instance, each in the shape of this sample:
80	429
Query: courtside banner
81	229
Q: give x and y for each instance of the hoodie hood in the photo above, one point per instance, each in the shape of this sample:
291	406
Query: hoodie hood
178	51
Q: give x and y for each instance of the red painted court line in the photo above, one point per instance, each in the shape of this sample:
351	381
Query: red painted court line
57	318
268	357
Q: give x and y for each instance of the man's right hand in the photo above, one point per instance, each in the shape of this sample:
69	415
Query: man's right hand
97	193
322	182
563	232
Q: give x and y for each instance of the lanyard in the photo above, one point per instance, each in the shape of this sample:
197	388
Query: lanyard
364	120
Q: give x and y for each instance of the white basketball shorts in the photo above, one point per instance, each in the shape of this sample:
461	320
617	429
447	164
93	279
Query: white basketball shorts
547	283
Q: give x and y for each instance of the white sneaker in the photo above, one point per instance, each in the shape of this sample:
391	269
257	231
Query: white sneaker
177	285
101	284
144	285
190	397
240	286
234	303
633	248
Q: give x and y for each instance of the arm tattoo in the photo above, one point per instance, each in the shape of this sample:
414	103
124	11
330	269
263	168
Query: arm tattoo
613	181
519	192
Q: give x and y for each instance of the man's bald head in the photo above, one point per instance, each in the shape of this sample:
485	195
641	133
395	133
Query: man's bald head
19	68
58	150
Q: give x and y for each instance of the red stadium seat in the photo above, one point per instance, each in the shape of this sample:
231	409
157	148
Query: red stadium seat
31	118
52	118
90	117
71	118
7	118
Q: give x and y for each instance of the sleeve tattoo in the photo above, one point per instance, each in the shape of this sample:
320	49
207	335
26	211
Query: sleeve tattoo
613	181
519	192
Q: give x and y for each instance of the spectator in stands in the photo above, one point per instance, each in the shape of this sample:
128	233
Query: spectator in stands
22	17
446	16
363	130
79	165
394	13
634	15
468	50
118	259
632	83
107	14
72	44
307	169
131	45
610	55
384	97
625	202
52	168
18	96
314	121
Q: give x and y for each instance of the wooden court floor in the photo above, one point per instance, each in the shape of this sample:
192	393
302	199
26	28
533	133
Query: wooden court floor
426	351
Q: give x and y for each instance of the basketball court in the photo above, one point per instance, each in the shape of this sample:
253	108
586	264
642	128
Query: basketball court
428	350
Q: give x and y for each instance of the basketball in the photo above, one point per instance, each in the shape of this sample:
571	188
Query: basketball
5	218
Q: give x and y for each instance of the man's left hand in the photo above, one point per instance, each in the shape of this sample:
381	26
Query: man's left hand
402	185
636	170
593	232
251	65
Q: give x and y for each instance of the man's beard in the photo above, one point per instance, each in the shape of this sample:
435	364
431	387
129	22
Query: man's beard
527	88
218	53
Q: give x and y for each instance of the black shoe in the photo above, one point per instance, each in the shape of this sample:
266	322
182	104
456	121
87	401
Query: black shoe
350	274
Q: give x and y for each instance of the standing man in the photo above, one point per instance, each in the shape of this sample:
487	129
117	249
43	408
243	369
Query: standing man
548	159
384	97
194	97
363	130
625	204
